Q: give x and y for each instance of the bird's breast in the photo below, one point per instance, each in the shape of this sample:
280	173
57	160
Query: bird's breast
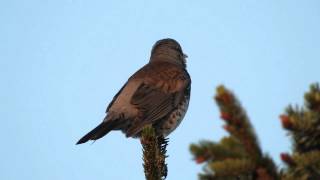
175	117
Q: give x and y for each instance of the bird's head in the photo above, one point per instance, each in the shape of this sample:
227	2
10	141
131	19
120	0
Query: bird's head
168	50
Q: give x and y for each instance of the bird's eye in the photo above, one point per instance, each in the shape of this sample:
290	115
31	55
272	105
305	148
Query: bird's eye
177	48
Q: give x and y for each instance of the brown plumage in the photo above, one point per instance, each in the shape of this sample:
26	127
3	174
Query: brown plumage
158	94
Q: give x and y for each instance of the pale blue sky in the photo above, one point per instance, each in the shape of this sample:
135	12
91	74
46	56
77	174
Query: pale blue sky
62	61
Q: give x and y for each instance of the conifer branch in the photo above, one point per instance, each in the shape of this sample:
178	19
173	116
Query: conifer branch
154	154
237	122
303	125
239	155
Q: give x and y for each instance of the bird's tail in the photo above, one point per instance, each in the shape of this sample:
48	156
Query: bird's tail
98	132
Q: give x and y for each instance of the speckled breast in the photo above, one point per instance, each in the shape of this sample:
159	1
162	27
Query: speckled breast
175	117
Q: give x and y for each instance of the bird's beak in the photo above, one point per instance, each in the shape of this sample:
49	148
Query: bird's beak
184	58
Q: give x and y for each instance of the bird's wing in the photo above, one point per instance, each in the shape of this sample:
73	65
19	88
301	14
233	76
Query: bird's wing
115	97
158	95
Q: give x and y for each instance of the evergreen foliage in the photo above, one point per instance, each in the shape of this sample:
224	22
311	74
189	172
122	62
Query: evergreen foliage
303	126
154	154
239	156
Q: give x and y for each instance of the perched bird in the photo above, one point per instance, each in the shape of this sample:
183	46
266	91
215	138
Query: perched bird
158	95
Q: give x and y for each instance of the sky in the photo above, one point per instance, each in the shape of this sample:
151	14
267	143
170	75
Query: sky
62	61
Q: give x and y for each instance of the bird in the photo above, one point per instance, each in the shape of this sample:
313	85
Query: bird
157	95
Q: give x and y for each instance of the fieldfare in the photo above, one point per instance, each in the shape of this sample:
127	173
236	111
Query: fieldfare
158	95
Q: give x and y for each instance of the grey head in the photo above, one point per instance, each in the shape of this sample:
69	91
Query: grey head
168	50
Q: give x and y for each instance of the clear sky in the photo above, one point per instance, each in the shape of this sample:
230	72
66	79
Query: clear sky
62	61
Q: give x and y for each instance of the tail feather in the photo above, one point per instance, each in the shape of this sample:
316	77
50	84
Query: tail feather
98	132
